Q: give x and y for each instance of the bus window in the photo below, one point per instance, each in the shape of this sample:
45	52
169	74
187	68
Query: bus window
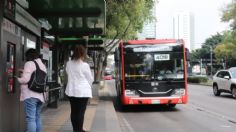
138	66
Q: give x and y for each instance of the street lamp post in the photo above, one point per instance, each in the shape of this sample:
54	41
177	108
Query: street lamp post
211	58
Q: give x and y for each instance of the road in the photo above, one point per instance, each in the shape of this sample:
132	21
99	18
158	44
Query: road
203	113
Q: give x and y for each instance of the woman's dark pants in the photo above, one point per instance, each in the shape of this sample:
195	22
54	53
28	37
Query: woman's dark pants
78	107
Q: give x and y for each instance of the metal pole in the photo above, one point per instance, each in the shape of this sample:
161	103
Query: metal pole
211	59
201	66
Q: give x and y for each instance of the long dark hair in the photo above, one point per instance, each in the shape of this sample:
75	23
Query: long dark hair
79	52
31	54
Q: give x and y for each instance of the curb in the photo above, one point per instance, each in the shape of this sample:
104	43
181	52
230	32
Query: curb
105	119
201	84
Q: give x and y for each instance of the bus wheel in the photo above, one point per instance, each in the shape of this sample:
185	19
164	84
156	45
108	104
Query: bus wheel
234	92
122	107
215	90
171	105
119	103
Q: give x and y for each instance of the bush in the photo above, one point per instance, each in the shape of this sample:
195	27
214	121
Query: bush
197	79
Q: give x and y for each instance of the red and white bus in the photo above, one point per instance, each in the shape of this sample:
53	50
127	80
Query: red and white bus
151	72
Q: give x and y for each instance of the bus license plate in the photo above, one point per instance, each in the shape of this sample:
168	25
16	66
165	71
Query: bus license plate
155	101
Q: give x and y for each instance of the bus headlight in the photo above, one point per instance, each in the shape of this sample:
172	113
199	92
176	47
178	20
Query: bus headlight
132	93
178	92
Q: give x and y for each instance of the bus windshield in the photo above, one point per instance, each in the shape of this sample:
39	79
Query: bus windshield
161	65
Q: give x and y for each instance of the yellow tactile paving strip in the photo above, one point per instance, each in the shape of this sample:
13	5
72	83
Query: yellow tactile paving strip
54	119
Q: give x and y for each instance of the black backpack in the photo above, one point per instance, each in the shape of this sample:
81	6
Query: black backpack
37	82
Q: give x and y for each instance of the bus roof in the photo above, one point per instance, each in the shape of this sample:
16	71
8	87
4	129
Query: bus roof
156	41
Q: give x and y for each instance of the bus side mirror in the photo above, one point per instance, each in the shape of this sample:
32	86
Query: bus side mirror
187	54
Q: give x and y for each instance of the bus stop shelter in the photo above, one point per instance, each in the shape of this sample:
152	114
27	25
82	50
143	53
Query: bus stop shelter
52	27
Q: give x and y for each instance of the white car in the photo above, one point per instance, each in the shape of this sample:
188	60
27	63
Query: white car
225	81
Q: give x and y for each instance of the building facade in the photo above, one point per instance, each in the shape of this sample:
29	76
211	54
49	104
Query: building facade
149	29
183	28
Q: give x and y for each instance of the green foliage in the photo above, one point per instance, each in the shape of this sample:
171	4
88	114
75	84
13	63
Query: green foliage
225	51
205	50
199	53
229	15
123	13
213	41
229	37
224	46
193	79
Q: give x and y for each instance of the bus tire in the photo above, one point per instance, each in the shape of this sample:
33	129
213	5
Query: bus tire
122	107
171	105
119	102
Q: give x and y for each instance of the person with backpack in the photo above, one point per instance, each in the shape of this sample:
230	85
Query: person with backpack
33	100
79	86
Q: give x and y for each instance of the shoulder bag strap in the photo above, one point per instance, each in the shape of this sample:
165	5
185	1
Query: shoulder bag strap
37	67
36	64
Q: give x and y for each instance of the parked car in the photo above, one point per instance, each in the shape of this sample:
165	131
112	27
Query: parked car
107	76
225	81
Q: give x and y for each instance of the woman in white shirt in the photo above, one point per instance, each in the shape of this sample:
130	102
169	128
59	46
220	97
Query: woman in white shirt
79	86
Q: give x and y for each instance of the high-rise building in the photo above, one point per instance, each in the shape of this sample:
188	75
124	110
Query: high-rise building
183	28
149	28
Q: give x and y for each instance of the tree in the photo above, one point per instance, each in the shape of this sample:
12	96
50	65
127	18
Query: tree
205	51
125	18
229	15
225	51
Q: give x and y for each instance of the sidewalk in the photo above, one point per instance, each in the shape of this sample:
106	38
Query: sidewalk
100	115
58	120
105	119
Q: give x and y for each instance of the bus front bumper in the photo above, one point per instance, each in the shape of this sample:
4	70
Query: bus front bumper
154	100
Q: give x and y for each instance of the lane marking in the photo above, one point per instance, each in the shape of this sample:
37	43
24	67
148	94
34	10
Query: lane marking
124	124
220	116
225	126
128	125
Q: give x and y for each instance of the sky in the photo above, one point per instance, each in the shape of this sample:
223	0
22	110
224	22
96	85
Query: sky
207	16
